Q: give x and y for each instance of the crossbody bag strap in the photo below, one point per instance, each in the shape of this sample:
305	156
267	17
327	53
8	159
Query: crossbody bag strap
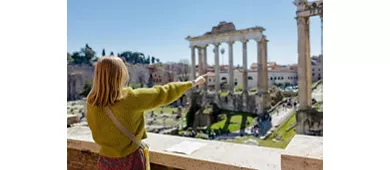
121	127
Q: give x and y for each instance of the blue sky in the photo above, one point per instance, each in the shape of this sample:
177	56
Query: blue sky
158	27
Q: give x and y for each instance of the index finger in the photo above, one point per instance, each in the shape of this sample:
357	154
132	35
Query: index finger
207	74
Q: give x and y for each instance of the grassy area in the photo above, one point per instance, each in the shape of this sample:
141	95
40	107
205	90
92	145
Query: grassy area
236	121
208	109
286	136
224	93
315	83
318	105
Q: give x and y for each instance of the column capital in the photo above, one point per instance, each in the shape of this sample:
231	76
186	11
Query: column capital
230	42
202	46
216	44
244	41
264	39
301	20
258	39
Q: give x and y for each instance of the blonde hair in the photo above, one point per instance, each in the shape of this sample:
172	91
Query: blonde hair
108	83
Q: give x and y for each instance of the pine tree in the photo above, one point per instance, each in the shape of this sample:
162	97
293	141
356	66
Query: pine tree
104	52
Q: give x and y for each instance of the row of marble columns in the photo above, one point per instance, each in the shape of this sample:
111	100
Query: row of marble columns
262	71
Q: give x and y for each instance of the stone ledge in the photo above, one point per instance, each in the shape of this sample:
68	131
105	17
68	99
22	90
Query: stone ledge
72	119
303	152
215	155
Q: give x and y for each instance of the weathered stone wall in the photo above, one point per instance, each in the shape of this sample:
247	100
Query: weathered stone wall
202	120
309	122
233	102
76	78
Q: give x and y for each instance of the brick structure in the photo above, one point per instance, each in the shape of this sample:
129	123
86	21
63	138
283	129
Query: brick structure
81	159
83	155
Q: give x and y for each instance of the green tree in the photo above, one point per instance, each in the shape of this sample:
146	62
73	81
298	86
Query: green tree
77	58
153	60
104	52
112	53
148	60
88	54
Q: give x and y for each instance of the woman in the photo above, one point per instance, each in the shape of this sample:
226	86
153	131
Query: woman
117	151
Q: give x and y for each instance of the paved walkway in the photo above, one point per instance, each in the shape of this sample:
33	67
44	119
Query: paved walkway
281	116
317	93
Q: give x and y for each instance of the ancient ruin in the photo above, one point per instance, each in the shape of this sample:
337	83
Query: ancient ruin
306	116
226	32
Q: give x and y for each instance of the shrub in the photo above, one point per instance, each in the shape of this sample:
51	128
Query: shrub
289	94
222	117
276	95
86	89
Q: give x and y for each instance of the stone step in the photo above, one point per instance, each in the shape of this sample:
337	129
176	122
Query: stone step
72	119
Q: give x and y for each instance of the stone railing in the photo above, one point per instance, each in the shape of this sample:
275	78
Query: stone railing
82	154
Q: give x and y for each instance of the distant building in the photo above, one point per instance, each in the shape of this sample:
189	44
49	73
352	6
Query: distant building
277	74
159	75
274	76
317	68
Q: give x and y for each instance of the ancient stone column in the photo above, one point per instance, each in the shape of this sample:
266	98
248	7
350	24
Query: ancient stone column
205	67
193	71
265	98
217	71
200	61
263	65
308	63
231	74
322	41
258	43
304	64
245	74
245	65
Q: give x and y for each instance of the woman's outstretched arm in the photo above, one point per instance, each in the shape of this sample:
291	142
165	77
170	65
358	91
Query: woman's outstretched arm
150	98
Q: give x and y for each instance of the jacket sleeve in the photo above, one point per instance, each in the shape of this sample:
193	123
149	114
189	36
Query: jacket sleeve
150	98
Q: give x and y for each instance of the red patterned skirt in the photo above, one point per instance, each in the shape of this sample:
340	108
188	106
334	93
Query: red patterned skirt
134	161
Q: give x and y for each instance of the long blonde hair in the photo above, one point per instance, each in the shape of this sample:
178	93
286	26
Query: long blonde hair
110	76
